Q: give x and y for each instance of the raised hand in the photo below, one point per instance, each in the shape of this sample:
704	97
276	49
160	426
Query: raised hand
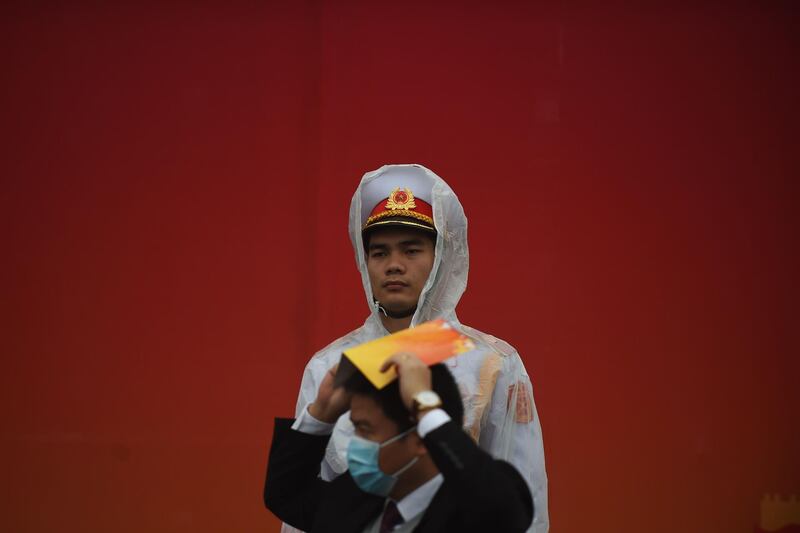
414	375
331	402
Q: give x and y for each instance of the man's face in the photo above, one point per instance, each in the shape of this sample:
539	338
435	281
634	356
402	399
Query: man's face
399	261
371	423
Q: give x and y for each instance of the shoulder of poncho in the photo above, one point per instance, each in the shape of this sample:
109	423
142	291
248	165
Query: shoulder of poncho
336	347
489	342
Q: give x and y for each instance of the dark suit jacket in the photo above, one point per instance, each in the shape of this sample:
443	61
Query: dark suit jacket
479	493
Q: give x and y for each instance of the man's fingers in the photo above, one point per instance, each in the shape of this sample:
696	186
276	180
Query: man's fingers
340	397
398	360
330	377
389	363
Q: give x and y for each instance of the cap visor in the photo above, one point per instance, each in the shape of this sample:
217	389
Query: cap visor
396	222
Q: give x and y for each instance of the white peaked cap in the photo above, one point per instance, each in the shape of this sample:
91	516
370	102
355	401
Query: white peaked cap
405	178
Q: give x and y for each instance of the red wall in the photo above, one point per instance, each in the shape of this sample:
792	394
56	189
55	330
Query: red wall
175	190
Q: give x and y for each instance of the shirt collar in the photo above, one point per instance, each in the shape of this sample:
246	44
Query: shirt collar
416	501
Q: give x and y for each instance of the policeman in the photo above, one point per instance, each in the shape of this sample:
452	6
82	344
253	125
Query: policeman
409	233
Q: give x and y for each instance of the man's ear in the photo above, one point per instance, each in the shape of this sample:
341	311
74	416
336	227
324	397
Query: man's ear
419	445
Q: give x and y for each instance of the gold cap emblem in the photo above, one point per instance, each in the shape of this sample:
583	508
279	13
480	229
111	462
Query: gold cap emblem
401	199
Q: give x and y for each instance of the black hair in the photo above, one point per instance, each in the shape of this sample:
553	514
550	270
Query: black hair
388	398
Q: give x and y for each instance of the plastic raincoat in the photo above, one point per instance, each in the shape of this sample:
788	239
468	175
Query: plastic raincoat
499	409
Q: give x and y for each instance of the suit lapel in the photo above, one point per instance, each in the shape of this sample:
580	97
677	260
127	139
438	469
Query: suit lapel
437	515
362	514
346	508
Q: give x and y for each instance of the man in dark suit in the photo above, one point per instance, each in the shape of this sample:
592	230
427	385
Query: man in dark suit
411	466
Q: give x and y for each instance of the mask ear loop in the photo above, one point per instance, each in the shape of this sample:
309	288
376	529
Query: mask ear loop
398	436
412	462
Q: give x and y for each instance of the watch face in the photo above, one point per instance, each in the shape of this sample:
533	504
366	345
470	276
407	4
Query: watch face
428	399
428	396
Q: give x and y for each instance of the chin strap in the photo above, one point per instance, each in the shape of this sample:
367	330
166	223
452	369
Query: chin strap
381	309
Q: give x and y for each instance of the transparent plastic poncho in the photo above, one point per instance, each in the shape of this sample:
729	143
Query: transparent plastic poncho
499	411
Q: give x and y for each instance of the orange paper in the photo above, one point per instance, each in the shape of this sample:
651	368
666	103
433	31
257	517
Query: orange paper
432	342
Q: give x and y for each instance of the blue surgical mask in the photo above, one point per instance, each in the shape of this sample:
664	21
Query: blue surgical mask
362	460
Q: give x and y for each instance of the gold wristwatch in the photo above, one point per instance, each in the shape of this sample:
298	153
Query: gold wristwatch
424	401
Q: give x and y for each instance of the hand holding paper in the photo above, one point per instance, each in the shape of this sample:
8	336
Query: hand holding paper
413	374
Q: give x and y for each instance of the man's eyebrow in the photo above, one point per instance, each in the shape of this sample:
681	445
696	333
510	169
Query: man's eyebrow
357	422
379	245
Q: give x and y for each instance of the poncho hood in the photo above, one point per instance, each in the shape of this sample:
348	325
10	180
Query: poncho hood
448	278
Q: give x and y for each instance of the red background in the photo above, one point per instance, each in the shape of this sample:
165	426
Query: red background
175	185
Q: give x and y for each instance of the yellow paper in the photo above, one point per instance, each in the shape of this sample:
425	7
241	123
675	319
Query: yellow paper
432	342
